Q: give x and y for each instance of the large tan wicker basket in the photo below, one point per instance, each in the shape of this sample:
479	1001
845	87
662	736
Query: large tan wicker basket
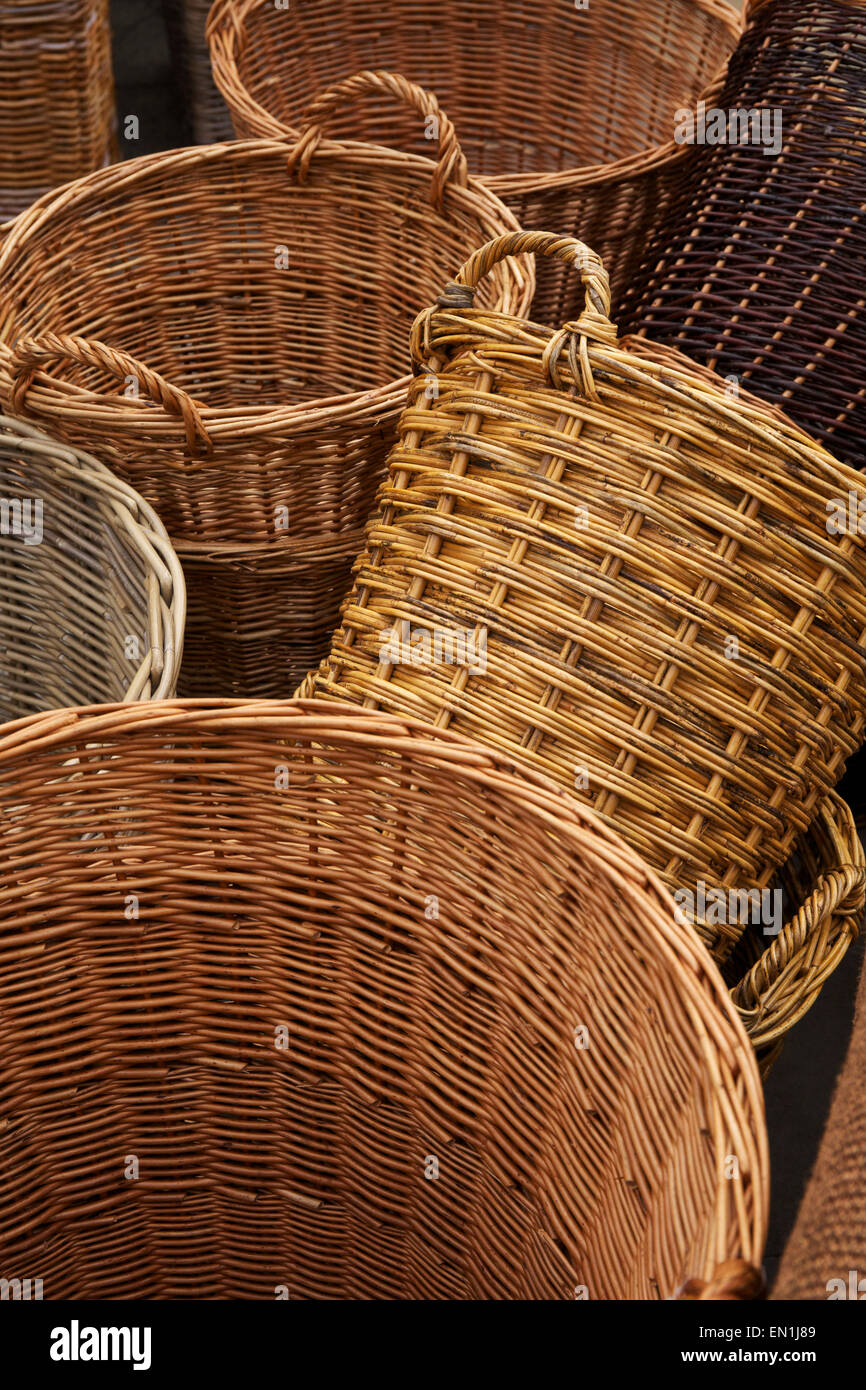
92	598
567	112
311	1002
595	558
57	117
228	326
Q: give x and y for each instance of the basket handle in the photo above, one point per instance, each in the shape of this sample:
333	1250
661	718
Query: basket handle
31	355
840	889
560	248
451	165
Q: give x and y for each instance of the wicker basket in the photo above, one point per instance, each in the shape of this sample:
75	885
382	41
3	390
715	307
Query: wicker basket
208	114
598	561
92	599
755	263
262	313
57	117
567	113
331	1005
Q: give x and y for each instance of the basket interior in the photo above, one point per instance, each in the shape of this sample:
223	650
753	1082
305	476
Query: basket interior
292	1045
529	87
73	593
242	287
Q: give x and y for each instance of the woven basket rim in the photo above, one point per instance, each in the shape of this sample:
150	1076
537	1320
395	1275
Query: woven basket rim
378	728
127	414
224	28
143	528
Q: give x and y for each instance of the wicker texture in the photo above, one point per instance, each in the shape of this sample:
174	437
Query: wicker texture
755	264
829	1238
611	521
57	118
92	598
567	114
208	114
259	298
412	1035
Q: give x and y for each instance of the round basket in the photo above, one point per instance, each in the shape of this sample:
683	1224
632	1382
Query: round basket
566	111
92	599
57	117
228	326
753	265
208	114
308	1002
588	554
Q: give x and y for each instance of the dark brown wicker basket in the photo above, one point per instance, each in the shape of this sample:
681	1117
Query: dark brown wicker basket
757	265
566	112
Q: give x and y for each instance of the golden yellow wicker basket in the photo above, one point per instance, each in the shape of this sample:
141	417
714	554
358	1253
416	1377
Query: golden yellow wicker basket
590	554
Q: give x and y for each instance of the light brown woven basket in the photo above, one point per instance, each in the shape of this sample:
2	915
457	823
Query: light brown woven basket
92	598
567	113
57	117
208	114
334	1004
258	298
587	553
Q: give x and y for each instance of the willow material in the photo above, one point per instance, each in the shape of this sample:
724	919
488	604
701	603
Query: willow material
651	607
207	112
92	598
57	117
755	262
228	326
345	1032
566	113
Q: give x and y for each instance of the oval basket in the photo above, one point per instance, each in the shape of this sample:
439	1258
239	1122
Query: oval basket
57	117
588	554
567	113
754	263
227	326
92	597
361	954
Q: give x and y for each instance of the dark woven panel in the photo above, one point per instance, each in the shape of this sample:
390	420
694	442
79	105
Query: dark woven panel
757	266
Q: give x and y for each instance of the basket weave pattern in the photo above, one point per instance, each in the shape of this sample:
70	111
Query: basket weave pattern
57	118
228	326
610	521
414	1035
92	604
567	114
755	264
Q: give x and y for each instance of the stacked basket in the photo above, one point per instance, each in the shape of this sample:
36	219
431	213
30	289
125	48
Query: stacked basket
586	553
228	327
566	111
57	116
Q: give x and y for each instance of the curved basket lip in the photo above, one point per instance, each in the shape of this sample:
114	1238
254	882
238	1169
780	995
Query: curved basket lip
126	414
145	529
391	732
730	1081
224	29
